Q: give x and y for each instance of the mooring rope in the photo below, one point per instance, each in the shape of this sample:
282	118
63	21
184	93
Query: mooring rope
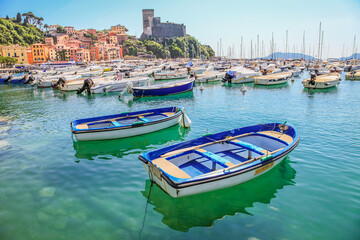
147	203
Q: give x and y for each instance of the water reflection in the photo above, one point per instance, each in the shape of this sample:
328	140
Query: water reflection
185	95
122	147
311	91
277	86
181	214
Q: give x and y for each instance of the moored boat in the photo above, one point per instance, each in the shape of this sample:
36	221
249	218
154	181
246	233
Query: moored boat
272	79
220	160
240	75
163	89
322	81
353	75
170	75
126	124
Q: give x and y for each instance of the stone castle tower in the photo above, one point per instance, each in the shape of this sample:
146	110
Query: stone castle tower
152	26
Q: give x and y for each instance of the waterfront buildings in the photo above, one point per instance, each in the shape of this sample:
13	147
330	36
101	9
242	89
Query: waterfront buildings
40	53
15	51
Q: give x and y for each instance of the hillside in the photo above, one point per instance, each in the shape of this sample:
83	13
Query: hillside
283	56
179	47
19	33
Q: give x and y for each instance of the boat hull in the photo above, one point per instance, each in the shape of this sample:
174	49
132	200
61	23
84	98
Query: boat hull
210	186
321	85
163	91
259	81
169	76
129	132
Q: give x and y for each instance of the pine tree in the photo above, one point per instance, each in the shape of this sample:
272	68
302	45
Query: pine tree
7	17
18	18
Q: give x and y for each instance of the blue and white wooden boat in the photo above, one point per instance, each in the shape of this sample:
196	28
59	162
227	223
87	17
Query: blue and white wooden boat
220	160
14	78
18	78
163	89
126	124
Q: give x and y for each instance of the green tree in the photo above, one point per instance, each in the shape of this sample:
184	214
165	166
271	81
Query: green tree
18	18
60	29
61	55
7	17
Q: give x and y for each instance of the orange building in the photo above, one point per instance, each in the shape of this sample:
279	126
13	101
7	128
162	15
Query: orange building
118	29
40	53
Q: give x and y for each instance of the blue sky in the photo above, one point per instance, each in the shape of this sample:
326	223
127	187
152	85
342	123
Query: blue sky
210	20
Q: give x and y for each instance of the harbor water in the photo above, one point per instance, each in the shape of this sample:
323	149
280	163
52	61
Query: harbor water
52	187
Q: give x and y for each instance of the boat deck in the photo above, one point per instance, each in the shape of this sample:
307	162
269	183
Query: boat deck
201	160
123	121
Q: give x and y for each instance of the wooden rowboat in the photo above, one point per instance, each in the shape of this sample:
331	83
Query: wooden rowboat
163	89
126	124
220	160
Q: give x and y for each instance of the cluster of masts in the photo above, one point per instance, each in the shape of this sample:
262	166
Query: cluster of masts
258	49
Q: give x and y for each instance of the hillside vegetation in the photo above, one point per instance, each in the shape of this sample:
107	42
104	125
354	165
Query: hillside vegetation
19	33
178	47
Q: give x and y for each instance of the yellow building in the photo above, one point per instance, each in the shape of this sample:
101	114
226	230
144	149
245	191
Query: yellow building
39	52
52	54
118	29
15	51
113	39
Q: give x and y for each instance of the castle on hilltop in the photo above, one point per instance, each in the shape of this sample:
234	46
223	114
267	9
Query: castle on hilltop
153	27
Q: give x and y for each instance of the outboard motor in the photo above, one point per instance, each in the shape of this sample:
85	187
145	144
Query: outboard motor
88	83
228	76
8	79
193	75
60	81
127	74
264	72
312	78
316	72
352	73
30	79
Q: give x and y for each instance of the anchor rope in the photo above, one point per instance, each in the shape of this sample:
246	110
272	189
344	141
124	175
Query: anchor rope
147	203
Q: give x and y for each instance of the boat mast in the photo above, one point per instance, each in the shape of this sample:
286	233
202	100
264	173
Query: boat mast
286	45
241	48
319	42
322	43
303	45
353	51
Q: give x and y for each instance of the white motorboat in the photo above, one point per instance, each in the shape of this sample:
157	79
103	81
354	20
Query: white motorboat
322	81
272	79
240	75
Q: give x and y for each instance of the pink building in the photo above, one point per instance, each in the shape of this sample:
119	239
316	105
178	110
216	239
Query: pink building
49	41
69	30
91	31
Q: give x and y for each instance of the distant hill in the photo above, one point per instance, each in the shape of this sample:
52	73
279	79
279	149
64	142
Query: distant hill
283	56
354	56
19	33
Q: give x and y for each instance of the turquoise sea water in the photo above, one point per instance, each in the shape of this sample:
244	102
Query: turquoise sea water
54	188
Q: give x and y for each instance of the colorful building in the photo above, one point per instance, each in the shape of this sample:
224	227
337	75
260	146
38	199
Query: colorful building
91	31
118	29
62	39
94	53
15	51
69	30
49	41
40	53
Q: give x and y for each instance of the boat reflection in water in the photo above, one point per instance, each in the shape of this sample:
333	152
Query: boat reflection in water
185	95
122	147
202	210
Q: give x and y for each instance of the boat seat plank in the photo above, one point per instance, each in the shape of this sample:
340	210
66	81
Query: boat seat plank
249	146
82	126
170	168
146	120
215	158
279	135
168	114
116	124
